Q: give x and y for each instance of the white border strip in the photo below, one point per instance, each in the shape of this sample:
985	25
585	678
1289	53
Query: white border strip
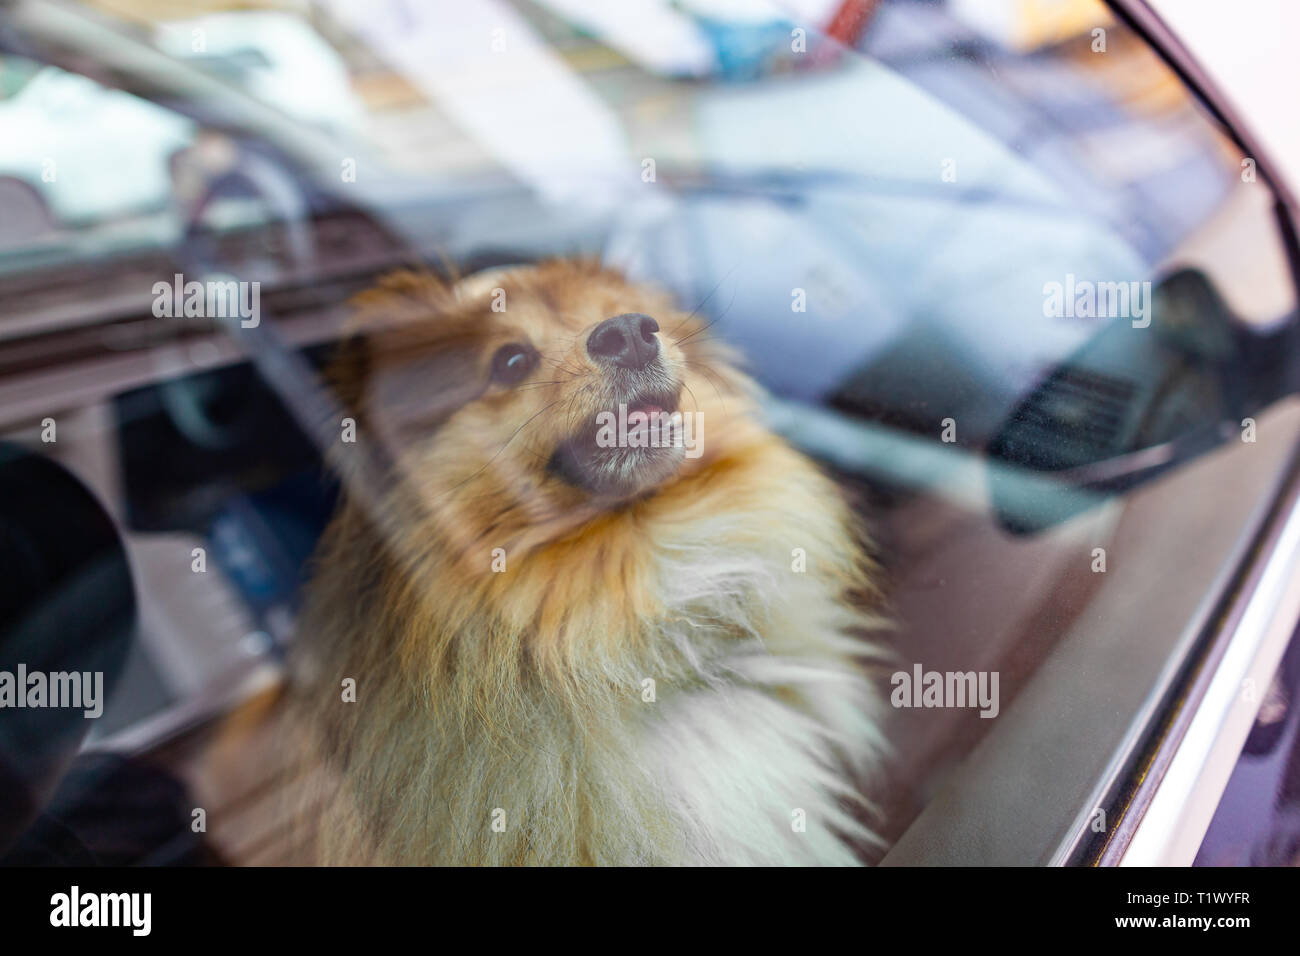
1175	822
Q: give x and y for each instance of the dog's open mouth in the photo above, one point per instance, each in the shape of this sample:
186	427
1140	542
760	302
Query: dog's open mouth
625	448
651	412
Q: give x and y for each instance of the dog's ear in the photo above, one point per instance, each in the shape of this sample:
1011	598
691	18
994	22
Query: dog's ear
392	316
407	360
400	298
408	394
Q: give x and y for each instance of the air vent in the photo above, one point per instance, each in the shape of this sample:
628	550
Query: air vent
1074	417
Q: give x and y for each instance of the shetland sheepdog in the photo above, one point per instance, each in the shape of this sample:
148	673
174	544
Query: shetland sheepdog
593	611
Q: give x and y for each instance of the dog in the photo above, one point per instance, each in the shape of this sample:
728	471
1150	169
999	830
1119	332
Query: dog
568	641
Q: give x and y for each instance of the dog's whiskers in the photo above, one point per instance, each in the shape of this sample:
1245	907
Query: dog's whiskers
704	370
528	385
706	299
497	455
710	324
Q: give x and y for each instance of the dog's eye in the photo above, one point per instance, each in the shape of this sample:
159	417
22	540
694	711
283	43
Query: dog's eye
512	363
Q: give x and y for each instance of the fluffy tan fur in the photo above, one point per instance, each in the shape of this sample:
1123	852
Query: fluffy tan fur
650	678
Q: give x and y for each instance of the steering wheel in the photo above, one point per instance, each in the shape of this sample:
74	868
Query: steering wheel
230	170
227	169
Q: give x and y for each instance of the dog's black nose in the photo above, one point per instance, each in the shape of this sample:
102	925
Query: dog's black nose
626	340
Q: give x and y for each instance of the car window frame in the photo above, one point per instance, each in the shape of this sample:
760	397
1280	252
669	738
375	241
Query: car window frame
954	828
